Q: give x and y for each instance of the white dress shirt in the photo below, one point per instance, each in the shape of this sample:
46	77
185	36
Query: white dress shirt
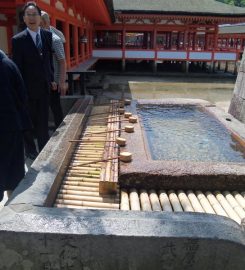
34	34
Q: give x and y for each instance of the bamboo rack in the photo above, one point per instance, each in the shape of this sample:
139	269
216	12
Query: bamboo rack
225	203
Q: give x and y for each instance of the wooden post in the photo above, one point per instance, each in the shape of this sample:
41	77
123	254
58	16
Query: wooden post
67	44
235	68
185	66
226	66
75	38
194	41
218	68
155	49
123	48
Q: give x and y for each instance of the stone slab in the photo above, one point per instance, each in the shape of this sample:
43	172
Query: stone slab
41	238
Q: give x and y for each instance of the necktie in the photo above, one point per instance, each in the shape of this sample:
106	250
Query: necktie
38	42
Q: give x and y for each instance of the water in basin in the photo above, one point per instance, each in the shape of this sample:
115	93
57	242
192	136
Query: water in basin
188	133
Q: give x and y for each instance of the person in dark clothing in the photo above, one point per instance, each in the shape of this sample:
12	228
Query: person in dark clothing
32	52
14	120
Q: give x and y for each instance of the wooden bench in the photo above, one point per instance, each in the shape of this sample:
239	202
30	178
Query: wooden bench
81	70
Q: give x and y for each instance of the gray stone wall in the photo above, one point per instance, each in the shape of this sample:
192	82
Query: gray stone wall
237	106
40	238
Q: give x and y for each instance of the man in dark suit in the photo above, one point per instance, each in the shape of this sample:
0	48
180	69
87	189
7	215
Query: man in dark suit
14	119
32	52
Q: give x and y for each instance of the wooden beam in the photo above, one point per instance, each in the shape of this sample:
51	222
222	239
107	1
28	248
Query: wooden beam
8	11
7	4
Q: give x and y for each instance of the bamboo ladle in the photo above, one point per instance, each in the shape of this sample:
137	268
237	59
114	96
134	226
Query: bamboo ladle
114	102
124	156
131	120
128	129
119	140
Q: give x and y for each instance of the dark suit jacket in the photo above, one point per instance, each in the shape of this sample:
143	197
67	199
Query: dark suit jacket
13	98
36	69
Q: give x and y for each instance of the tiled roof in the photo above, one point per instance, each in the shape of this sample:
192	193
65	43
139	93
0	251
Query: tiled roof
232	29
181	7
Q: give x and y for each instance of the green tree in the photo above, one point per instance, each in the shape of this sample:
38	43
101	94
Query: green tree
239	3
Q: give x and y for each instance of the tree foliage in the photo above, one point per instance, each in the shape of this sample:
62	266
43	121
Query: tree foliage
239	3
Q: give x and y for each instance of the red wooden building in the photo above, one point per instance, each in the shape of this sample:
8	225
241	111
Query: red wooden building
145	30
75	18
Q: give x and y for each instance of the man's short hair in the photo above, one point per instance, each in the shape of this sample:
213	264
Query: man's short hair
45	16
31	4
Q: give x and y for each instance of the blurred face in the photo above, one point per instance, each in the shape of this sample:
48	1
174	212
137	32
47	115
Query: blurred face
44	24
32	18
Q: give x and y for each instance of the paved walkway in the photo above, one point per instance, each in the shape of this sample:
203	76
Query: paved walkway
28	163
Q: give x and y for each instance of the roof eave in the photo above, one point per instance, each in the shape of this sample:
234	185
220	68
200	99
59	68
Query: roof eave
180	13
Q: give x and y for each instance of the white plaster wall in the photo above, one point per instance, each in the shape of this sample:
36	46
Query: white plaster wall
225	56
200	55
107	53
3	39
140	54
171	55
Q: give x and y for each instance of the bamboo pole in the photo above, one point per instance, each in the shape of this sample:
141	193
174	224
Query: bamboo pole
89	149
227	207
128	129
124	205
155	204
87	198
134	200
215	204
234	204
194	202
90	172
145	201
185	203
239	198
109	153
106	118
118	142
204	202
81	175
174	201
82	171
80	183
87	193
114	101
83	179
124	156
120	110
60	205
90	140
89	204
81	188
164	200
